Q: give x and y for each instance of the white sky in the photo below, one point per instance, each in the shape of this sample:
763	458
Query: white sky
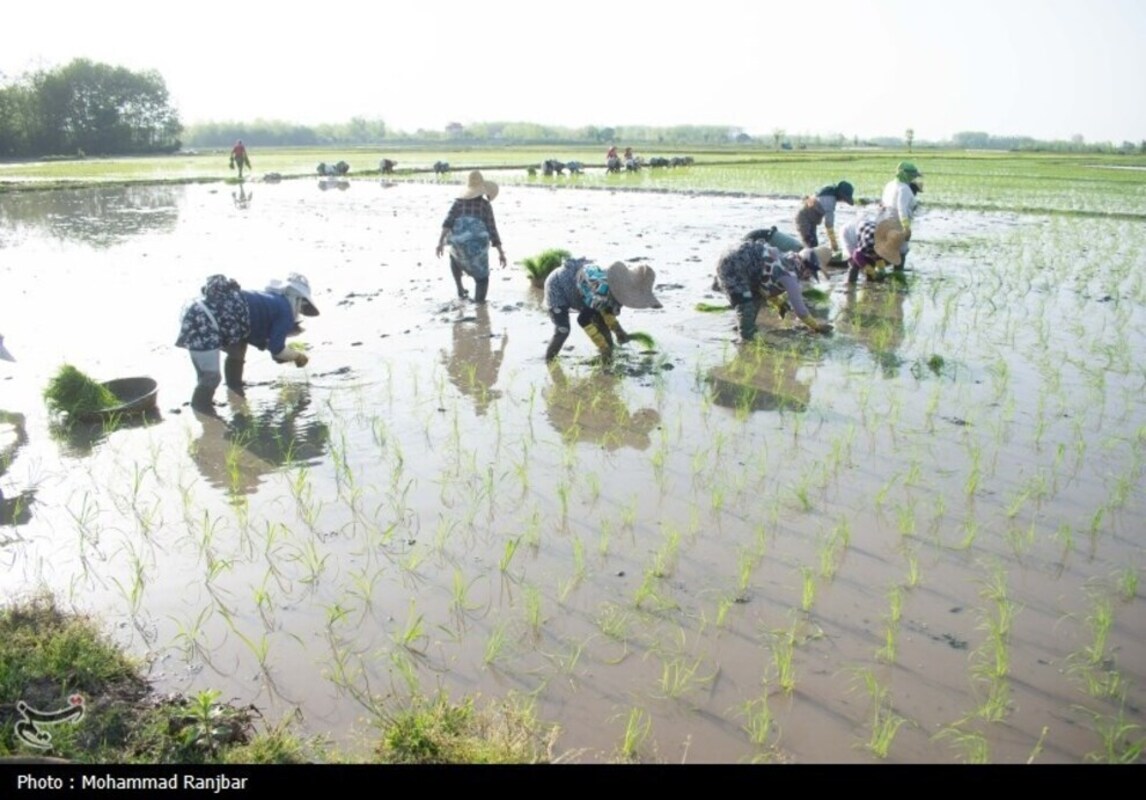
1049	69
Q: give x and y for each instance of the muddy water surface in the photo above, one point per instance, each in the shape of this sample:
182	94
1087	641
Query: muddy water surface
916	539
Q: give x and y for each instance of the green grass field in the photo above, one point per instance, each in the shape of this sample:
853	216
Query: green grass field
1083	184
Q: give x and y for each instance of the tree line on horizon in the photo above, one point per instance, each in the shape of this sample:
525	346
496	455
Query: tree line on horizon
88	108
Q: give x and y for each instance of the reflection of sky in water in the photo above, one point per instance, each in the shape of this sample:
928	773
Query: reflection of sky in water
99	217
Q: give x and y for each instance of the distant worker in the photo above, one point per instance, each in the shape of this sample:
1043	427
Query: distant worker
239	158
470	229
597	296
898	202
612	160
822	209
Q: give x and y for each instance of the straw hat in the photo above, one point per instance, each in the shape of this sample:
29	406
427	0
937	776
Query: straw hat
633	286
889	237
298	284
4	354
476	186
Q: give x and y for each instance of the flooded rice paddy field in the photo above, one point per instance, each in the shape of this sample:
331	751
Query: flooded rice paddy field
916	540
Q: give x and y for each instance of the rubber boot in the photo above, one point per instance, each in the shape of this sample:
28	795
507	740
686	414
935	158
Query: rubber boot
480	289
233	375
746	319
555	345
600	338
902	262
203	400
853	271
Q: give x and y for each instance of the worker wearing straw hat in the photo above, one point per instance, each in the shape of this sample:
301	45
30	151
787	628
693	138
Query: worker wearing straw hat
598	296
878	243
469	228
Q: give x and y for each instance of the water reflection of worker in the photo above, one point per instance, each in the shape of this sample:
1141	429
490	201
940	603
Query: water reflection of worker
235	455
13	510
873	316
242	198
474	365
590	409
760	379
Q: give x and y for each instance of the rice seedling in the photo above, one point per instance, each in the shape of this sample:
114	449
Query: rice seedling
885	723
413	631
783	651
538	267
972	744
511	546
679	677
808	596
532	602
759	723
71	392
614	622
1120	742
638	725
1128	583
495	644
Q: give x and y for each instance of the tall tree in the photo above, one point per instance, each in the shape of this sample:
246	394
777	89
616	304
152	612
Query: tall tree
99	109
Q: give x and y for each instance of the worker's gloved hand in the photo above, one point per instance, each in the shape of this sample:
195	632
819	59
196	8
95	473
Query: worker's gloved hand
833	241
300	359
906	228
622	337
815	324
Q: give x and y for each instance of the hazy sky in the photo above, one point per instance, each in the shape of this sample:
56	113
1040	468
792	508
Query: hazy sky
1044	68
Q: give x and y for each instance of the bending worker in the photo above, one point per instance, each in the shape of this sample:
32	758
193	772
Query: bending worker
598	296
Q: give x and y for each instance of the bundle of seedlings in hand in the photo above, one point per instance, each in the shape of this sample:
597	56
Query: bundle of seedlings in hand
540	266
74	393
643	338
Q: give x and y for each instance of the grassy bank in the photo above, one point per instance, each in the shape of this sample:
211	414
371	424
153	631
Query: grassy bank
88	702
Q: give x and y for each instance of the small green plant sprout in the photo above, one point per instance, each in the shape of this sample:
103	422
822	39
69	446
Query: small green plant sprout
539	266
758	722
783	651
637	728
208	724
1121	740
972	744
1128	583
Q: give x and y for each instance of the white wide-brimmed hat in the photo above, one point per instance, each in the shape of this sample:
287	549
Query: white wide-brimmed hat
4	354
889	237
633	286
297	283
476	186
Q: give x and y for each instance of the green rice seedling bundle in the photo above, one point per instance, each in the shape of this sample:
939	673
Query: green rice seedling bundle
815	295
709	308
642	338
72	392
538	267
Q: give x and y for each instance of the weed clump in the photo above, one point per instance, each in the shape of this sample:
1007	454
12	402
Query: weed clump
73	393
438	731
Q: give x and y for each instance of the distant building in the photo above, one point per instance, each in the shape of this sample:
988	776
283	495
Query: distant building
455	130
